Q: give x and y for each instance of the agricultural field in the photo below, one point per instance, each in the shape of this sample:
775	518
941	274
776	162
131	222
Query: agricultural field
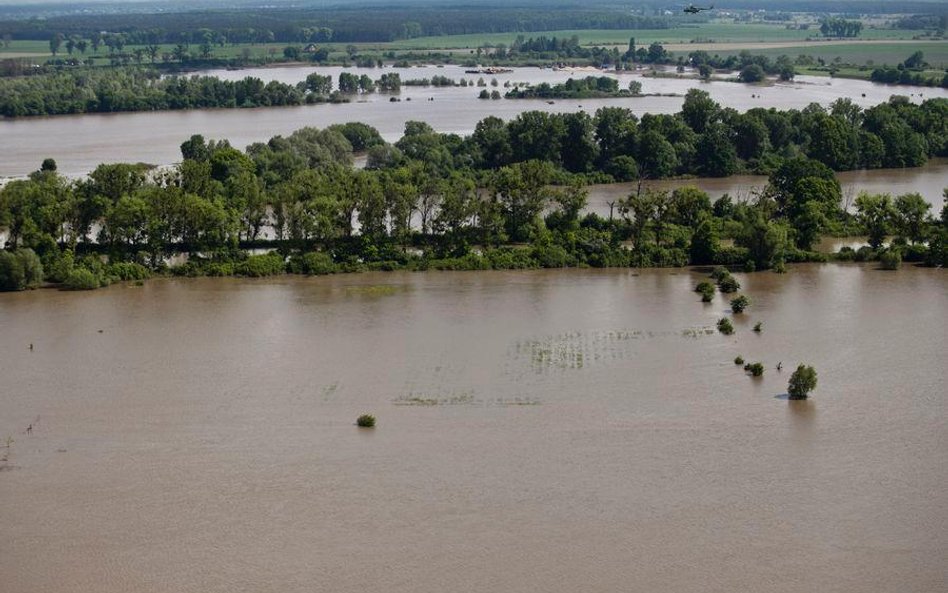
713	32
874	46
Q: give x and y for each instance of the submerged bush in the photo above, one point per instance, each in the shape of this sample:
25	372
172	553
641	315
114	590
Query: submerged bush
739	360
725	327
739	304
704	286
759	326
707	291
756	369
719	272
865	253
366	421
891	259
802	382
729	284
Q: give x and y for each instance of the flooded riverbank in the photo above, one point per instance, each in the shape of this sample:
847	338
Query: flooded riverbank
574	430
930	181
80	142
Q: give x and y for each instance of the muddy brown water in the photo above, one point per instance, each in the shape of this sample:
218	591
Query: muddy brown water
537	431
930	181
80	142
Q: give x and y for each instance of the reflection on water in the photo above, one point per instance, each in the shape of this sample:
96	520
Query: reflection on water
567	430
802	414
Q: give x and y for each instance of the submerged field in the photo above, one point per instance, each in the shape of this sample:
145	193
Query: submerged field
573	430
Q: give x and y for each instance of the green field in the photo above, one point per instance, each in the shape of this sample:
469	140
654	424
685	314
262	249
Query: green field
41	47
936	53
859	52
718	32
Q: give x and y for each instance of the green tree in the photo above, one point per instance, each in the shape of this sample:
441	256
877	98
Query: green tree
55	42
808	225
875	213
20	270
751	73
656	156
699	110
764	240
909	215
522	189
802	382
716	156
704	243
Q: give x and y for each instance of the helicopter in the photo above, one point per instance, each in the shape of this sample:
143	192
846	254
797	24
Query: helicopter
692	9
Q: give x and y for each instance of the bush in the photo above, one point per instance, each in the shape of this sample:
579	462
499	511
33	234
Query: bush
729	284
719	272
756	369
891	259
257	266
865	253
58	265
188	269
707	291
750	266
82	279
20	270
730	256
915	253
802	382
704	286
314	263
366	421
219	269
725	327
551	256
510	258
759	326
739	360
127	271
739	304
780	267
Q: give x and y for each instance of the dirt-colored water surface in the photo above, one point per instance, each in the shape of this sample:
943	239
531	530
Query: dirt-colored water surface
554	431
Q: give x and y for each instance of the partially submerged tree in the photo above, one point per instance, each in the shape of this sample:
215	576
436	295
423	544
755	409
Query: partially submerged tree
802	382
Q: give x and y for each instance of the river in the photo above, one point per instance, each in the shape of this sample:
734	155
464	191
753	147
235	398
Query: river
80	142
930	181
557	431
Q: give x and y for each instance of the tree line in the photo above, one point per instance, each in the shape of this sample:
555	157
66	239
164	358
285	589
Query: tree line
431	200
142	89
839	27
345	25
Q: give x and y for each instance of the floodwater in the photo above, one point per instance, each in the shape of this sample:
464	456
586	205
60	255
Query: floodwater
80	142
930	181
551	431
